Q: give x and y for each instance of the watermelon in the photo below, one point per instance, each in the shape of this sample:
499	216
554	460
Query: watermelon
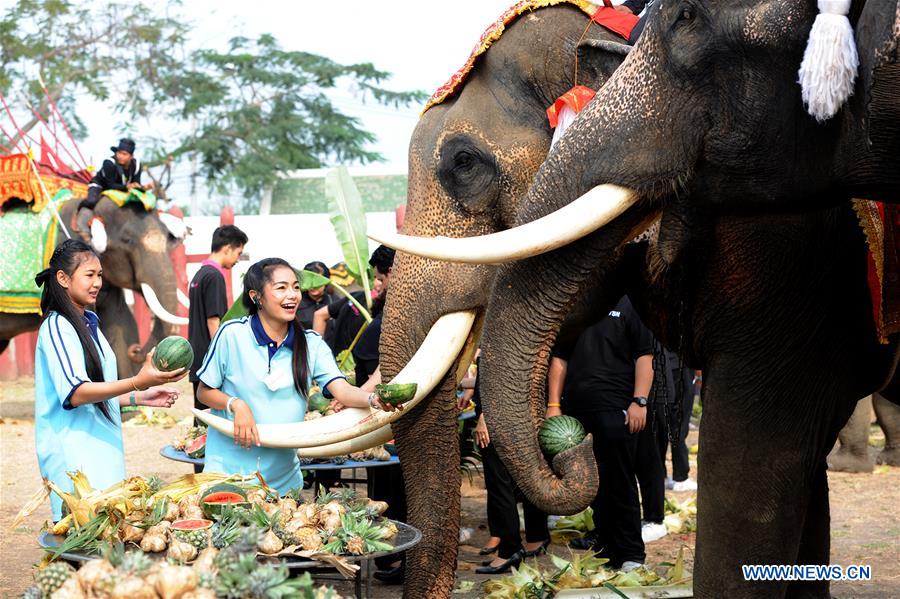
318	402
191	524
560	433
396	394
225	488
196	448
172	353
214	503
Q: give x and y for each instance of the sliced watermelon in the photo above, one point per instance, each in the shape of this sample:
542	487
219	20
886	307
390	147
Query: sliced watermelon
191	524
196	448
214	503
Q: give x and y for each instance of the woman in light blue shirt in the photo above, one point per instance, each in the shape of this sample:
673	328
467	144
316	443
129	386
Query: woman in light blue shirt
259	368
77	395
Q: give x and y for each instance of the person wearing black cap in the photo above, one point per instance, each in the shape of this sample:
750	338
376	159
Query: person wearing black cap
121	173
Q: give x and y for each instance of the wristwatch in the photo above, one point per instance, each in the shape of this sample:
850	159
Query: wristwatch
640	400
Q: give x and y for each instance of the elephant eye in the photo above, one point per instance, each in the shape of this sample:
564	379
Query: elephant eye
468	174
687	13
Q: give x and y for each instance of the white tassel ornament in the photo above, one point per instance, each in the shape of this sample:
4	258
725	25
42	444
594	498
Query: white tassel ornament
99	238
566	118
830	62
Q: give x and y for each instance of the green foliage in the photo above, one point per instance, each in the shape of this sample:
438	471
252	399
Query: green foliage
123	52
348	217
261	110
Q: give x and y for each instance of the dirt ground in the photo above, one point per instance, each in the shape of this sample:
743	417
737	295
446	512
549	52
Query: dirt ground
865	520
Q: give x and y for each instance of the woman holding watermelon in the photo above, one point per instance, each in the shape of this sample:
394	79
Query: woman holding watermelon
77	395
260	368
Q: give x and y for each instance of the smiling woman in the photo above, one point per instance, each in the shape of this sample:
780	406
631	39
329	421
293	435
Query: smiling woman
77	397
259	369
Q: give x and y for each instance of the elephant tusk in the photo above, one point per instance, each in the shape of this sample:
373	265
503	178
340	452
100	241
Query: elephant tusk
183	299
157	308
585	215
427	367
368	441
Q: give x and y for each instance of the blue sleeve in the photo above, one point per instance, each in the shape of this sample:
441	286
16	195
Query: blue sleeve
215	364
322	367
64	355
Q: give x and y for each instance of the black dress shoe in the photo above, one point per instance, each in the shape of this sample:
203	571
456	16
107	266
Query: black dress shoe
514	560
539	551
488	550
585	542
391	575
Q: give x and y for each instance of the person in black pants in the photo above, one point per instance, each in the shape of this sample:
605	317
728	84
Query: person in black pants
603	381
502	511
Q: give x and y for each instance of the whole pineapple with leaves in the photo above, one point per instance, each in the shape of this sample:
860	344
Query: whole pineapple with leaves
52	576
245	544
356	536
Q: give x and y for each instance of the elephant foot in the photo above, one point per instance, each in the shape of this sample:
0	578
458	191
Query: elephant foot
844	461
890	455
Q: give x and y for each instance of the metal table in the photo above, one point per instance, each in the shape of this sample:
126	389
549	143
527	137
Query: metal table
407	537
171	453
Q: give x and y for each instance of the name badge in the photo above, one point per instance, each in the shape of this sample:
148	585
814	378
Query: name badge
278	379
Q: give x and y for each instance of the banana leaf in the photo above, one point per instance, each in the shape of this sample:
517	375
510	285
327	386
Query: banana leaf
349	221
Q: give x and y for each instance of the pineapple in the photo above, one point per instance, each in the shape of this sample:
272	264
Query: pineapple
197	538
52	577
356	536
224	534
33	592
136	563
308	538
355	545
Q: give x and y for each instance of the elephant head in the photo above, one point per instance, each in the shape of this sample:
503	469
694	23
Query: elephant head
136	257
471	160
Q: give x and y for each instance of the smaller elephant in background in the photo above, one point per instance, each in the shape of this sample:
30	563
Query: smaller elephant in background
852	454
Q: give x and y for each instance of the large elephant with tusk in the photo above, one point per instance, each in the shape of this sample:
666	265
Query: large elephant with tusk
756	272
471	159
135	257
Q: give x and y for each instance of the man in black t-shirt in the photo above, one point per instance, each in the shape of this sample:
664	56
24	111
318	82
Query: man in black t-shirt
209	301
603	381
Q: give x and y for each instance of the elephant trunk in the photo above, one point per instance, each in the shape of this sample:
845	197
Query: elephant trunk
523	320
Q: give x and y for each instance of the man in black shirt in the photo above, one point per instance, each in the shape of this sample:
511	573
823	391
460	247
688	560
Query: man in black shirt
603	381
209	301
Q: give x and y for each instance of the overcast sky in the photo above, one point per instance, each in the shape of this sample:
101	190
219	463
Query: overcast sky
421	42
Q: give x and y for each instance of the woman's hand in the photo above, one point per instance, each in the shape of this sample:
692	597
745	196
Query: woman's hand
481	433
245	433
150	375
158	397
379	403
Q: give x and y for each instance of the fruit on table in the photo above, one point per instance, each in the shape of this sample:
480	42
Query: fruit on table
396	394
317	402
196	448
193	532
212	504
172	353
560	433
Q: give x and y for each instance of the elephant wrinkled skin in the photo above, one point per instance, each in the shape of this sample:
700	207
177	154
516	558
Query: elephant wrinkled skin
471	159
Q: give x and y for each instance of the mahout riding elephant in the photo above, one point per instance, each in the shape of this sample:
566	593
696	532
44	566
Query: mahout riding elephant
756	274
471	159
136	258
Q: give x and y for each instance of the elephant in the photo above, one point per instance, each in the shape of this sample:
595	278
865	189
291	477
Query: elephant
471	158
853	453
136	258
756	272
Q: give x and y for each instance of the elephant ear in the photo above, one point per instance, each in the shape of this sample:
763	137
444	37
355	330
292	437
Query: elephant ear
598	59
878	89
